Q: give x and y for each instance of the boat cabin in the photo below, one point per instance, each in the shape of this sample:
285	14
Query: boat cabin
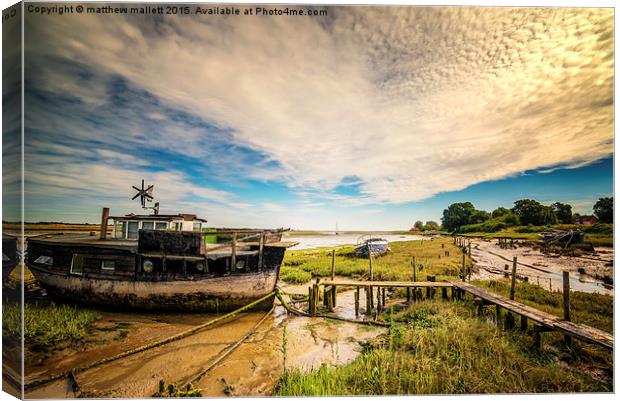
128	227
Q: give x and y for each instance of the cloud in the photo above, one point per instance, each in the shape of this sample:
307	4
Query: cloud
412	101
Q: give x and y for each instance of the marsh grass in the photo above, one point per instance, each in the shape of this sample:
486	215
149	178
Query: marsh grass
442	348
47	325
395	265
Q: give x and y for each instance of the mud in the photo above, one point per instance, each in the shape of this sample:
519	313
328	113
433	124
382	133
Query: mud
585	271
251	369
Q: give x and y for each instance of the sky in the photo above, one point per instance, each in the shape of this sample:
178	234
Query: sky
367	118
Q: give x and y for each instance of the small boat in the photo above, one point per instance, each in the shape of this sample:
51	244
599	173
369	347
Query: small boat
374	246
566	237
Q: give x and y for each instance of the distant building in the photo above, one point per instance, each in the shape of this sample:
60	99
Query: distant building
585	219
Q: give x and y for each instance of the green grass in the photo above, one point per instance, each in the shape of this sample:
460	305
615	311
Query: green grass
47	325
395	265
442	348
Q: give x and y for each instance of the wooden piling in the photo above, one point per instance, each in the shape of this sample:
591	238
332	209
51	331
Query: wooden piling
310	300
261	246
334	263
233	253
566	297
514	278
368	301
523	323
408	295
370	264
498	315
357	302
444	293
414	267
383	296
463	267
333	296
469	245
330	300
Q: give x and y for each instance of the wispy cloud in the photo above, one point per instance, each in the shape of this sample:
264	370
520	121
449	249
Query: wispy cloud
410	101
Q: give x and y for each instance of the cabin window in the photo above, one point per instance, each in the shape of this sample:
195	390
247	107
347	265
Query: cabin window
44	260
132	230
147	225
197	226
107	265
77	264
178	226
161	226
118	230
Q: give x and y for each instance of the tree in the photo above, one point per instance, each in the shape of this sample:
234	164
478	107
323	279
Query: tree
419	225
532	212
564	212
479	216
456	215
604	210
431	225
500	211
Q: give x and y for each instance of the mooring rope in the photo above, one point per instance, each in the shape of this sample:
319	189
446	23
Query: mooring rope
229	349
145	347
333	317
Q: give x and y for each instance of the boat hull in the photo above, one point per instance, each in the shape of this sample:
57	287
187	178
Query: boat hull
211	294
377	248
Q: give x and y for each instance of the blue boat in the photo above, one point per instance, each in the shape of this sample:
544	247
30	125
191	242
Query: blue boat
376	246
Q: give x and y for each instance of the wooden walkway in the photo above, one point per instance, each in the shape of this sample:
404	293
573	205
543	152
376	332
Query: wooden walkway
391	284
543	321
546	320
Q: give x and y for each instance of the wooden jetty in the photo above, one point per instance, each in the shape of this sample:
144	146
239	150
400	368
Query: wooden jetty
542	321
545	321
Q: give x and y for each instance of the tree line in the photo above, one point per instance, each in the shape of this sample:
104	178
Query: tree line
464	217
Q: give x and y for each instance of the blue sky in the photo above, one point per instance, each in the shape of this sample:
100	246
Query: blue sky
370	118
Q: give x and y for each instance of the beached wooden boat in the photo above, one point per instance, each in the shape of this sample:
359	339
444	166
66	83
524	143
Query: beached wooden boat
562	236
374	246
10	258
159	269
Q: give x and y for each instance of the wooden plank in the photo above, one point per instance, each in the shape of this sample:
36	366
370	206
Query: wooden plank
403	284
549	321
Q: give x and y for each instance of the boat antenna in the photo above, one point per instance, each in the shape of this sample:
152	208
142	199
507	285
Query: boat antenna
146	195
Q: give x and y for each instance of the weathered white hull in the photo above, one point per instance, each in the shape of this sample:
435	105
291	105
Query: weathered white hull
207	294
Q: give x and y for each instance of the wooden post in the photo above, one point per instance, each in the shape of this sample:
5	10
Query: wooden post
469	245
333	295
325	296
233	252
523	323
428	289
334	263
261	247
463	267
379	305
370	263
330	300
408	295
444	293
498	315
414	265
514	278
357	302
566	293
415	294
105	215
383	296
315	296
310	300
